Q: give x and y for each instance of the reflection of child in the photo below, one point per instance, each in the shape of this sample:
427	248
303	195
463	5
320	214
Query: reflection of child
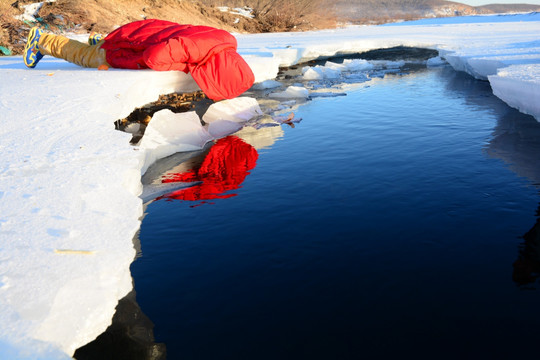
527	266
224	168
207	53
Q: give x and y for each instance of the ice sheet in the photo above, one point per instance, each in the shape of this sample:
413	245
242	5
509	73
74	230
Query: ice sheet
478	45
518	86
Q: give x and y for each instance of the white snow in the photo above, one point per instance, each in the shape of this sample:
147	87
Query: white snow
70	183
31	10
243	11
518	86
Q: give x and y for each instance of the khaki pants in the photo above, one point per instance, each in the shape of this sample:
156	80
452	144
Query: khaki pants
74	51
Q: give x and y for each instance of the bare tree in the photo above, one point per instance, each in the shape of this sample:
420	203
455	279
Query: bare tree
275	14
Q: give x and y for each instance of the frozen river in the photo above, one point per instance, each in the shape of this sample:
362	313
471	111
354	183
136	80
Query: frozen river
400	177
389	222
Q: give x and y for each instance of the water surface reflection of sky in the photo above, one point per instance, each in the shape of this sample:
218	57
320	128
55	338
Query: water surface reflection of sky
516	141
402	220
380	223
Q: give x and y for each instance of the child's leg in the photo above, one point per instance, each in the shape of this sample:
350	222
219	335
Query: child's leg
72	50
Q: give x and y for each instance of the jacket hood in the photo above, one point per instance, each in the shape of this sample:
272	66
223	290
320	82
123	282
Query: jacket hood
224	75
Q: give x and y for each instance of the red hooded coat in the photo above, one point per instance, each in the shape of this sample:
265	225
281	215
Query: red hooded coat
209	54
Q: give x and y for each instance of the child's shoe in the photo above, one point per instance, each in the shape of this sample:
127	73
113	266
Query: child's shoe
94	38
31	50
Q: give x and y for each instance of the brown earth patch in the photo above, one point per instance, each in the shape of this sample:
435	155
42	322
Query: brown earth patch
103	16
175	102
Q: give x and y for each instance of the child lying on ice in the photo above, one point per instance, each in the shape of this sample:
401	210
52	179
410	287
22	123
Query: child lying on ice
207	53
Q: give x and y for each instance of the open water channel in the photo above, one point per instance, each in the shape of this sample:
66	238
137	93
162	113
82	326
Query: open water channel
399	220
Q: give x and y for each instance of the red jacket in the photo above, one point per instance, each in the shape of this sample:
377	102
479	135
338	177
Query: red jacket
209	54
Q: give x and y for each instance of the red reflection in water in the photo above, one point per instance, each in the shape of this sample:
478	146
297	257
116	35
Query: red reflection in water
224	168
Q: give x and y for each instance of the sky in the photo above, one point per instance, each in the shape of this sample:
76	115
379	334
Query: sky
485	2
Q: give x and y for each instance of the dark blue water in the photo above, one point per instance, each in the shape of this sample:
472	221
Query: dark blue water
388	223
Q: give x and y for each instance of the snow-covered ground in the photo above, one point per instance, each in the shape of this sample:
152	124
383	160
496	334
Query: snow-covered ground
70	183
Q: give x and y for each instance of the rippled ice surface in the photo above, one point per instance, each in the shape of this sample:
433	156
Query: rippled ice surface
390	222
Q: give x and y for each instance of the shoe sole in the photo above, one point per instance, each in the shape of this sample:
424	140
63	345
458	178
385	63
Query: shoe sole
30	44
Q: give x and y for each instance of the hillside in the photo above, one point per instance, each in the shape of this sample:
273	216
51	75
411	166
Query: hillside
103	16
502	8
100	16
375	11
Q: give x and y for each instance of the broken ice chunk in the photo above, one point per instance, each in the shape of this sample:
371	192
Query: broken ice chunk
239	109
267	84
357	65
291	92
169	133
133	128
436	61
321	72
